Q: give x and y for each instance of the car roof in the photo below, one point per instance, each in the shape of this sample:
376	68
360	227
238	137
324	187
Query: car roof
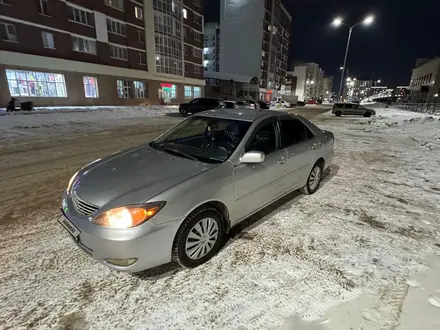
242	114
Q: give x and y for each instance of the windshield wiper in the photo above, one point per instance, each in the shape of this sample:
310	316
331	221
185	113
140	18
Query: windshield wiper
156	145
178	152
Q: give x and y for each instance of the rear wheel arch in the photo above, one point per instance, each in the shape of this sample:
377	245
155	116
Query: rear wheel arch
321	161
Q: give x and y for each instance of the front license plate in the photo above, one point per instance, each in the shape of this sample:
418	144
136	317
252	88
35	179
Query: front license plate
70	227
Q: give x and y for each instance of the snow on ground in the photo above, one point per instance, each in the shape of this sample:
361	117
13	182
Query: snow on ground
56	120
367	230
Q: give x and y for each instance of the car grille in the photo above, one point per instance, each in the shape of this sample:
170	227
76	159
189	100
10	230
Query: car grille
83	207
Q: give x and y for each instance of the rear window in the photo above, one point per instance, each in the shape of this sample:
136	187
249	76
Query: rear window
339	105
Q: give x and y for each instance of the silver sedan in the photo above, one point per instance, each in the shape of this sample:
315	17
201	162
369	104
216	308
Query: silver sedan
175	198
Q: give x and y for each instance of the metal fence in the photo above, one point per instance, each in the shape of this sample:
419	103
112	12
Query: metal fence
431	108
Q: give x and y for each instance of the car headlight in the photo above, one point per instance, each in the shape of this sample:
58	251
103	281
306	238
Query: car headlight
72	179
128	216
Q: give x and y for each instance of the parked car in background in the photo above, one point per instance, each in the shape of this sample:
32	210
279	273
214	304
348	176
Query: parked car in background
311	102
264	105
282	104
200	104
255	104
292	99
177	197
243	104
230	104
340	109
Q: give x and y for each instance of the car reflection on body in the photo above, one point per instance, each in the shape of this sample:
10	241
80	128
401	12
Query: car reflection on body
173	199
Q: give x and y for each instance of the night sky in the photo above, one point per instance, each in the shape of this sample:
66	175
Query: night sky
388	49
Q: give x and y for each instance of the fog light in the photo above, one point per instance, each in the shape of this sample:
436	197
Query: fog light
122	262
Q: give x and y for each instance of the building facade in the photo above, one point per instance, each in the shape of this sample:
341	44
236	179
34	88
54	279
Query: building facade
357	89
306	81
255	41
327	86
211	50
232	87
101	52
425	81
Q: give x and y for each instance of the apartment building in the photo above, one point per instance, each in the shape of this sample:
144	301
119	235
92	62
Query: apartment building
306	81
425	81
101	52
255	42
327	85
211	50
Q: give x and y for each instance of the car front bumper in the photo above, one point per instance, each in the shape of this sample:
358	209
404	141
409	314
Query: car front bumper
150	244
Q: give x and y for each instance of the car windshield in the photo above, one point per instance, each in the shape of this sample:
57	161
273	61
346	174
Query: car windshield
205	139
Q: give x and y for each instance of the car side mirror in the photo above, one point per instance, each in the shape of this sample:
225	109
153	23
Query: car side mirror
253	157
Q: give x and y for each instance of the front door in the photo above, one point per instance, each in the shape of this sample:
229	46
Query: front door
258	184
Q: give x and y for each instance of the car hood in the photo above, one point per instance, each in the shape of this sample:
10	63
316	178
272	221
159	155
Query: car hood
141	173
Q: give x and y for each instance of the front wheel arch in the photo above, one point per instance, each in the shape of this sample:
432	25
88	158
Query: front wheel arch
221	208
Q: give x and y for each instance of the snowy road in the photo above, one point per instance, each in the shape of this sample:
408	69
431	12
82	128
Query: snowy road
367	230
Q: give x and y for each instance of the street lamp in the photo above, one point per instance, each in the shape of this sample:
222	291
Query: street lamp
337	22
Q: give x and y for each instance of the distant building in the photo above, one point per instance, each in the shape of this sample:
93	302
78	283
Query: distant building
358	89
211	50
306	81
230	86
425	81
296	82
255	41
327	85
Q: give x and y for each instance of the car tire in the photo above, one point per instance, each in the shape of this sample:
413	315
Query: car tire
313	180
367	114
205	217
338	113
183	112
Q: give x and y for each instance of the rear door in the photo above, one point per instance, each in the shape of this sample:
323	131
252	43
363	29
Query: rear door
300	144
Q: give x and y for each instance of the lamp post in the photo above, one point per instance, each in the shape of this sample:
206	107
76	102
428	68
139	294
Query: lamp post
337	22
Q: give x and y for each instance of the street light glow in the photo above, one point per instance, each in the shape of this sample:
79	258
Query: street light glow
368	20
379	81
341	68
337	21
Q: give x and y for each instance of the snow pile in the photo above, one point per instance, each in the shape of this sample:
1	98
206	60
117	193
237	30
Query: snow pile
367	230
67	120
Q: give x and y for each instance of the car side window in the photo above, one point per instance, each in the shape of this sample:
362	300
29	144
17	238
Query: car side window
264	139
293	132
348	106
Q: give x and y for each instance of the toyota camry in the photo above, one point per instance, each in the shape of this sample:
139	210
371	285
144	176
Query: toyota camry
175	198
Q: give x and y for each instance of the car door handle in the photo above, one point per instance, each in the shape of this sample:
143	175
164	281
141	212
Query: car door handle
314	146
282	160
